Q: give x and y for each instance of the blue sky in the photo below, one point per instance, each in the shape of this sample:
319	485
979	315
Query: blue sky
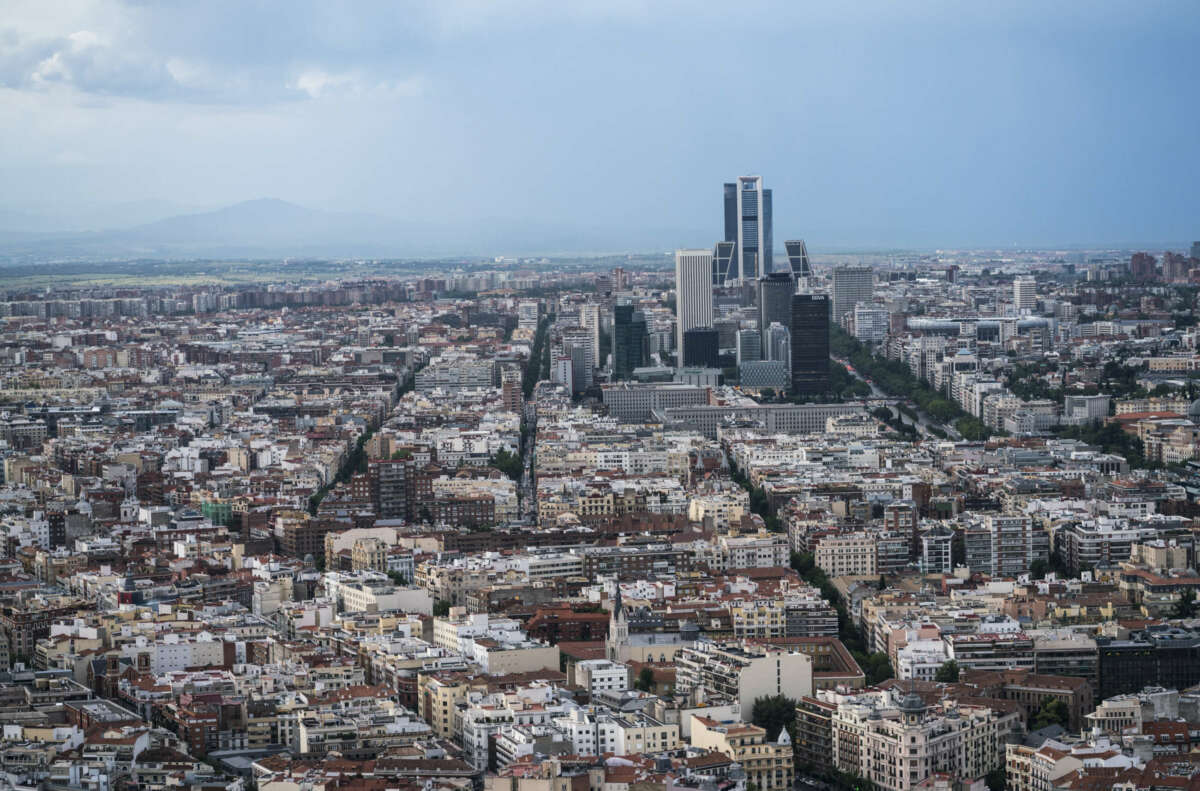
875	123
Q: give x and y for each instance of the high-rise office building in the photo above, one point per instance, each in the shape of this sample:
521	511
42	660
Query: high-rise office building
810	351
775	300
748	223
851	285
700	348
722	261
749	346
629	341
779	343
870	323
589	317
1024	293
797	253
693	293
1196	250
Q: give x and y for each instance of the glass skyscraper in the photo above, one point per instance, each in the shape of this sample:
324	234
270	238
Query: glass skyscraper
748	224
810	343
775	301
629	341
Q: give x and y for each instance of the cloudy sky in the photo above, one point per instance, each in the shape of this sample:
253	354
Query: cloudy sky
876	123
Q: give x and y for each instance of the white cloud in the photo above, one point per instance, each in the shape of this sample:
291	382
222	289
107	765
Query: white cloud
318	84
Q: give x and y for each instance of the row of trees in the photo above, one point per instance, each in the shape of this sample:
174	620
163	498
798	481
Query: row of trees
759	504
895	378
875	664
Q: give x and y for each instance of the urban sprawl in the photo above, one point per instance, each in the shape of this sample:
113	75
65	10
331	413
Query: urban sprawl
759	522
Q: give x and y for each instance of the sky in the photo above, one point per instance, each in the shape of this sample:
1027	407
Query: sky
905	124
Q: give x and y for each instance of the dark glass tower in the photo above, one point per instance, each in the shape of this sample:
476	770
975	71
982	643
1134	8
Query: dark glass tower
775	293
701	347
629	341
797	254
810	344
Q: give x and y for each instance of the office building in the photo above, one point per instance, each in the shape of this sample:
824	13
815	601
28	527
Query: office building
779	343
1158	656
797	253
749	346
764	373
637	402
775	300
589	318
851	285
775	418
700	348
693	293
810	358
722	261
581	367
629	341
870	323
748	223
1024	293
529	313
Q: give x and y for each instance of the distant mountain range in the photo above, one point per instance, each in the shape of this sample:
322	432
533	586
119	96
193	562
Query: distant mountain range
271	228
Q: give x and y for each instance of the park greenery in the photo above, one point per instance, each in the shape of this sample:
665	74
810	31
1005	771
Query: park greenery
895	379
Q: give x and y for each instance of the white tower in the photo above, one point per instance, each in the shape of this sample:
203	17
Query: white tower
693	293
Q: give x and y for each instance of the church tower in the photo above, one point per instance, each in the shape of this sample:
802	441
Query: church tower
618	630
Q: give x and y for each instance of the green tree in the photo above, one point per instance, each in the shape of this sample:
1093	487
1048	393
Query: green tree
645	680
1038	568
997	779
441	608
948	672
1052	712
508	463
773	713
1185	606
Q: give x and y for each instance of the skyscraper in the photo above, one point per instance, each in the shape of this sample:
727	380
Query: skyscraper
1024	293
779	343
693	293
589	317
722	261
810	351
797	253
748	223
775	300
749	346
851	285
629	341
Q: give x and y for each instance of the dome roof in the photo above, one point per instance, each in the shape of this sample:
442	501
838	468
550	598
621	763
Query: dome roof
1194	409
912	703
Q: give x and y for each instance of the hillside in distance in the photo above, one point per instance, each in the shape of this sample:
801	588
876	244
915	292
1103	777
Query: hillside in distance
273	228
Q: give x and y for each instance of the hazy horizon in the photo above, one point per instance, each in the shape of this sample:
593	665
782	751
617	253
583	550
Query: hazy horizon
611	125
